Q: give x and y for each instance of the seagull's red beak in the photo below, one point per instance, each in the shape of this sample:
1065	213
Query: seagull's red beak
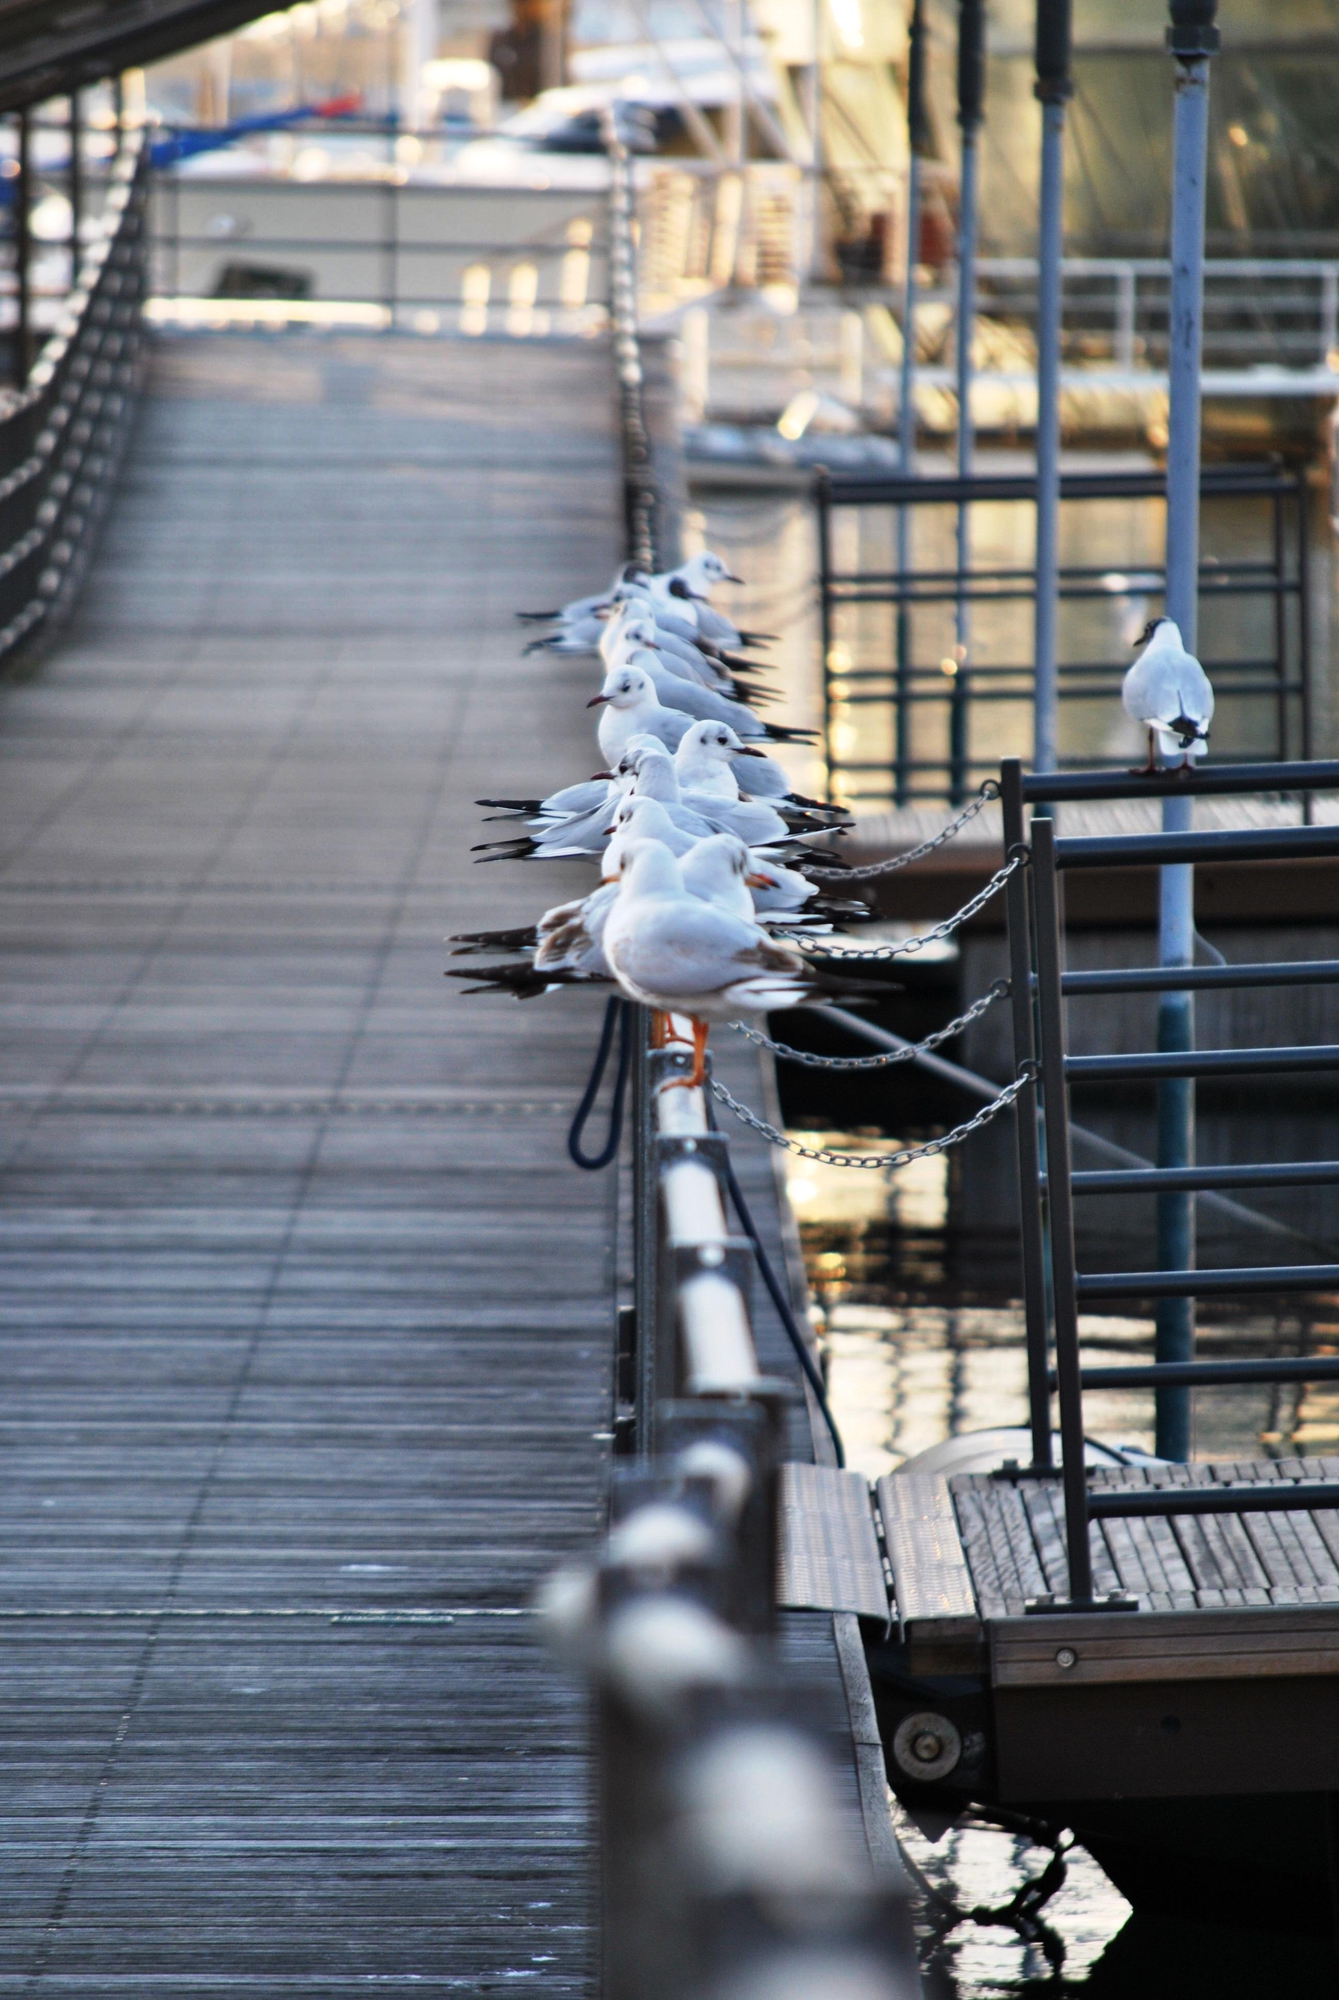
745	750
598	700
730	577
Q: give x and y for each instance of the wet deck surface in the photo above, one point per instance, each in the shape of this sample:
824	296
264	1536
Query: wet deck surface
306	1319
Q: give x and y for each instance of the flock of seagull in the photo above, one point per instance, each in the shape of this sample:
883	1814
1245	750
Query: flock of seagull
703	848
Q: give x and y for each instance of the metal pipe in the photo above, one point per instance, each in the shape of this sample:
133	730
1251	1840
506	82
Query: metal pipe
1235	1278
918	139
22	358
1147	1180
1190	39
1282	1368
971	109
1276	1497
76	183
1188	1062
1064	1288
1260	843
1053	87
1151	979
1030	1227
1217	782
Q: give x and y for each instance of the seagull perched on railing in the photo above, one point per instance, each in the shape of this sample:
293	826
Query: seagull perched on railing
1168	693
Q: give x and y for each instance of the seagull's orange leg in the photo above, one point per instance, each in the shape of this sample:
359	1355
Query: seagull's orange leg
659	1029
694	1081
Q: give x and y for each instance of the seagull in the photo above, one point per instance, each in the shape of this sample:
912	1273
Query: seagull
567	941
633	625
710	759
685	698
584	607
678	955
1168	693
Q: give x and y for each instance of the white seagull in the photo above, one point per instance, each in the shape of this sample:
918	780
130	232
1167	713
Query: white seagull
678	955
1168	693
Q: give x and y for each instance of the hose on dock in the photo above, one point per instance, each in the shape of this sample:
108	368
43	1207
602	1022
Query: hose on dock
776	1293
617	1014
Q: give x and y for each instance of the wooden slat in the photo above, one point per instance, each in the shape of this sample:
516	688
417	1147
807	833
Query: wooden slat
828	1558
931	1579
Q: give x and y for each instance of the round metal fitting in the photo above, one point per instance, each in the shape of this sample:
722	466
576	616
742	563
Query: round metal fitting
1066	1657
926	1747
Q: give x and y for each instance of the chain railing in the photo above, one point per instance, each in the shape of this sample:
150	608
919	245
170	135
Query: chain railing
62	435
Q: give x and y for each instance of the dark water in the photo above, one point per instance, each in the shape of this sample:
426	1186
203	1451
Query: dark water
915	1289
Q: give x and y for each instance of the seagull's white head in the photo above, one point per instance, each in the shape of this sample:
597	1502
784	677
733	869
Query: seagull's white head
656	777
1165	631
718	870
714	740
704	570
626	687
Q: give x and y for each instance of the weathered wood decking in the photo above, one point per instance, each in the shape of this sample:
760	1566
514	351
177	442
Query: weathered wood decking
306	1319
305	1361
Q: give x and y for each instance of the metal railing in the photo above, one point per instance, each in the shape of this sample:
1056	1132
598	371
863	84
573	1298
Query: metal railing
1039	982
730	1862
944	713
1273	312
62	435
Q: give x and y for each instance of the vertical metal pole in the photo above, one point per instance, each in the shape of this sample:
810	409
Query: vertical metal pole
76	183
119	109
823	502
918	139
23	252
1304	619
1060	1204
971	105
1053	87
1025	1122
1280	551
645	1286
1191	38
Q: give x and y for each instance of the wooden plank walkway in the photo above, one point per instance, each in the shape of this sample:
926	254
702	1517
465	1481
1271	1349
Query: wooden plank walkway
305	1320
304	1361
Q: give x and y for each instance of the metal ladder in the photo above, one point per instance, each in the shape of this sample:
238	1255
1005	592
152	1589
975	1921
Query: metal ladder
1054	1288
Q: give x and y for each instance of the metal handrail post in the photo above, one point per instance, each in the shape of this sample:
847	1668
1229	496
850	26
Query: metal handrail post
1030	1225
645	1274
823	506
1053	87
918	140
1060	1206
971	107
23	187
1191	39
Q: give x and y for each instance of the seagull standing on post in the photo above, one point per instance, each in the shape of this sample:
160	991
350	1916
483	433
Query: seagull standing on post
1168	693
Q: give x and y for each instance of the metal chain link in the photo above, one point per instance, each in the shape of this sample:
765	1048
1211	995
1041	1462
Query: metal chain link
989	790
868	1161
808	1060
1018	859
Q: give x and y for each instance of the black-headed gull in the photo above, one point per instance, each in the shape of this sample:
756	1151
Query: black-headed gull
675	954
1169	694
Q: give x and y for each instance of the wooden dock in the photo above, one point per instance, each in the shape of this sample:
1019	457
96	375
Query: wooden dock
307	1319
